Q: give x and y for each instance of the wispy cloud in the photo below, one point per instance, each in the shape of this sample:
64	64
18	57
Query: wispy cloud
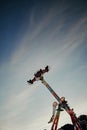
47	41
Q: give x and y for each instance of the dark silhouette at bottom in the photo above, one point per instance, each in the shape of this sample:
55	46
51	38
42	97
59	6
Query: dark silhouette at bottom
83	123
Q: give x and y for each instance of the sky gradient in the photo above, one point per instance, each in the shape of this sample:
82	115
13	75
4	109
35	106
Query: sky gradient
35	34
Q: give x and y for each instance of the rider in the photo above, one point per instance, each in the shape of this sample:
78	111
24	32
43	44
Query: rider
82	120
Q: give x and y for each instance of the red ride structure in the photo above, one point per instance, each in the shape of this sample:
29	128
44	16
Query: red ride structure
62	102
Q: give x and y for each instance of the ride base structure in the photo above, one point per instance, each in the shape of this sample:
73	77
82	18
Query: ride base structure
61	100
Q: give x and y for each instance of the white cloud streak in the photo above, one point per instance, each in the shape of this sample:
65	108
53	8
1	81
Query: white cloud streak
35	50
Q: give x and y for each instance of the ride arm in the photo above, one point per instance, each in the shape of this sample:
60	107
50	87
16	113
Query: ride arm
62	101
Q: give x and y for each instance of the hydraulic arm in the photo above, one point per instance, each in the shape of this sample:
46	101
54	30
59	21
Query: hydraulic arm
63	103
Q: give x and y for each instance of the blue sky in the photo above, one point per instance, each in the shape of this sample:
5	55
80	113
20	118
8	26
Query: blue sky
35	34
